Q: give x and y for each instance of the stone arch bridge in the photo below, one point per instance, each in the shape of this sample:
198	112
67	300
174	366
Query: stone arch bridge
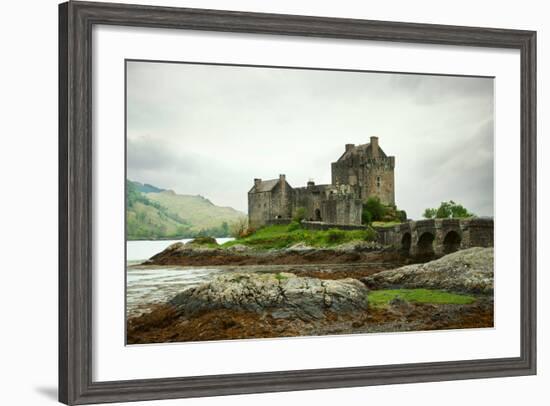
439	236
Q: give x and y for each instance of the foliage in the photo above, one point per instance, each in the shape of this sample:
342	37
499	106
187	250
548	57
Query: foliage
366	216
204	241
448	209
133	195
198	211
295	225
378	298
402	214
147	217
375	211
239	228
335	235
278	236
429	213
299	214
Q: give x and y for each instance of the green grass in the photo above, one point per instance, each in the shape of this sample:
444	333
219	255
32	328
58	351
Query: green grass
282	236
380	298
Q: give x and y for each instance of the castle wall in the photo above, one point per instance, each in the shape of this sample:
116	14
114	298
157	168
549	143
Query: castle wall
342	210
281	202
310	198
378	180
369	177
273	204
259	208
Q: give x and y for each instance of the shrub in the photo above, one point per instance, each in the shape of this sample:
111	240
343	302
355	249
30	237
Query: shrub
376	209
239	227
402	215
247	233
366	216
204	240
299	214
335	235
295	225
370	234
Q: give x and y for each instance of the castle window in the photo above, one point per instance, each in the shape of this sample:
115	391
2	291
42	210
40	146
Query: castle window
378	182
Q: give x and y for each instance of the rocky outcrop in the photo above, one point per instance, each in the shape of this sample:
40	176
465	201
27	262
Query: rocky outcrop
203	241
199	255
283	296
470	270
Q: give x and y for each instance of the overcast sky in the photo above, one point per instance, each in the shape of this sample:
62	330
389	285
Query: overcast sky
210	130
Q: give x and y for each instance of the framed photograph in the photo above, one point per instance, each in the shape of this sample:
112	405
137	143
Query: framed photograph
258	202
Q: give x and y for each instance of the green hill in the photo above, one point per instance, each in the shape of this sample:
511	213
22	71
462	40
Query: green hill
165	214
147	188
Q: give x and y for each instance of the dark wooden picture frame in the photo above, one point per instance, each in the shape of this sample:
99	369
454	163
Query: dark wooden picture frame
76	20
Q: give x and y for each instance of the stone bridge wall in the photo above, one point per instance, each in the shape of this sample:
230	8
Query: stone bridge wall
439	236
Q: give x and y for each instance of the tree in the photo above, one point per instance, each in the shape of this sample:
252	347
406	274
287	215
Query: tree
240	227
374	208
429	213
225	229
447	210
366	217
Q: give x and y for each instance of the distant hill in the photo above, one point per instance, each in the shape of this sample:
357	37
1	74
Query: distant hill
161	213
147	188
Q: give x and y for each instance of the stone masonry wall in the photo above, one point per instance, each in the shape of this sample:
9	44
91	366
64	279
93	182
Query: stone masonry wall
342	210
362	174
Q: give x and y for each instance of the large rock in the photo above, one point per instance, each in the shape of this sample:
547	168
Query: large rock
282	295
469	270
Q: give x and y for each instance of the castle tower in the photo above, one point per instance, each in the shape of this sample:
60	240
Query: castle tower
368	170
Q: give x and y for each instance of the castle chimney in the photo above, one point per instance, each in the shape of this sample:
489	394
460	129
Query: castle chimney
257	182
374	146
349	146
282	178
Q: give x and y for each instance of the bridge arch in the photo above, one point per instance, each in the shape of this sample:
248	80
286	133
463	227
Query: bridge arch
451	242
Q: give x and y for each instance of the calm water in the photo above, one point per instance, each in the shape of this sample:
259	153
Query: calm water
149	285
146	286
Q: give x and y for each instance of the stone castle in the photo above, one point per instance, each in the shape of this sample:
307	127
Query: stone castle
363	171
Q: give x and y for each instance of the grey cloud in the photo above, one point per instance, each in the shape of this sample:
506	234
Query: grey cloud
211	129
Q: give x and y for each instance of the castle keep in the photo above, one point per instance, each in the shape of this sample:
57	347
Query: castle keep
363	171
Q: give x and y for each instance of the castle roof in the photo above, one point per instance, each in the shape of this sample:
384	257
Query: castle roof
363	149
265	185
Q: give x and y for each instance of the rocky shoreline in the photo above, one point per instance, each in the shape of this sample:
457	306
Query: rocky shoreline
300	303
196	255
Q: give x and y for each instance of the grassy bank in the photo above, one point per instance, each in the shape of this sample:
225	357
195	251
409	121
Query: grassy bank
381	298
283	236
